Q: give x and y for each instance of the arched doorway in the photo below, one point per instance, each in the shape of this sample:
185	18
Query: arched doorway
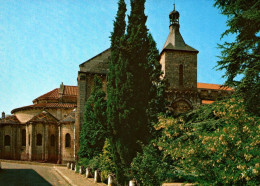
181	106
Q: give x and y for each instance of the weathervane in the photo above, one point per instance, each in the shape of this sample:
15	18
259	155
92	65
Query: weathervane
173	4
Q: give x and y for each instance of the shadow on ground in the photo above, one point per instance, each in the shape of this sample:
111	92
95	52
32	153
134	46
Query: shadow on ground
21	177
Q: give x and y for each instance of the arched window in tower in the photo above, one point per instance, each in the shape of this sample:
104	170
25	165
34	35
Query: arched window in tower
52	140
23	137
7	140
39	140
181	75
67	140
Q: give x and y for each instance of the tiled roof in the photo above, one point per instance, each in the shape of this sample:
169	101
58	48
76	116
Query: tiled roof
44	117
47	105
206	102
69	118
12	119
70	91
212	86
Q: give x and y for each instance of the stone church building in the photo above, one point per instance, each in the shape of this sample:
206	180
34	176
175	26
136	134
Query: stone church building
49	129
44	131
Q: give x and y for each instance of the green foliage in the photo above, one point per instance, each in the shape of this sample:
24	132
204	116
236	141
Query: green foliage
242	57
107	166
94	129
152	168
103	162
157	103
216	144
135	90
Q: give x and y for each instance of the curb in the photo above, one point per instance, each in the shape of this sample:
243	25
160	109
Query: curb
64	177
32	163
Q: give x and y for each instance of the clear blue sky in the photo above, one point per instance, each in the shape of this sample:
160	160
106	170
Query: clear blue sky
42	42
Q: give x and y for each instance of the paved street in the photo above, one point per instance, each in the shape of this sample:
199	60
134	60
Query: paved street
26	174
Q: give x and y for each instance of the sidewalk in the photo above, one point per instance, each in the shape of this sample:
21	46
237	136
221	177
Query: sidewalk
76	179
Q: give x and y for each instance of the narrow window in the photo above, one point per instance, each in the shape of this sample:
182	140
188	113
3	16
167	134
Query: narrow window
39	140
23	137
52	140
7	140
67	140
181	75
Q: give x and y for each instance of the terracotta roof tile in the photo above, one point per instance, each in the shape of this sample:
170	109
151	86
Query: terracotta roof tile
44	117
10	120
70	91
47	105
212	86
206	102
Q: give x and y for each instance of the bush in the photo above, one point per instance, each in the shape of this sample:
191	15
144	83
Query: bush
152	168
216	144
103	162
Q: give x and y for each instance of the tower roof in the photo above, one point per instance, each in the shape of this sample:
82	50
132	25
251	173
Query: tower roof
175	40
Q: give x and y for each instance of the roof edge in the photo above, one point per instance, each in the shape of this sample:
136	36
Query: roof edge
94	57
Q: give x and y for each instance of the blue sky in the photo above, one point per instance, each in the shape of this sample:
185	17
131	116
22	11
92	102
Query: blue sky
42	42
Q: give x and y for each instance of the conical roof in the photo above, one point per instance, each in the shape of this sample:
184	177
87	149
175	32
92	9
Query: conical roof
175	41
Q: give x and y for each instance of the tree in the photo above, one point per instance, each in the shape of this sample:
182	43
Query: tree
242	57
94	129
112	90
133	78
157	102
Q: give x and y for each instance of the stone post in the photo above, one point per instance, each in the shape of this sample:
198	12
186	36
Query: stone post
72	166
111	180
97	177
81	170
132	183
76	168
88	173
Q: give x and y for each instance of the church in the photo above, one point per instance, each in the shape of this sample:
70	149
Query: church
48	130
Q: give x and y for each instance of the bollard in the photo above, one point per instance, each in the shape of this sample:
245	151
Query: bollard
132	183
81	170
72	166
68	165
88	173
76	167
97	176
111	181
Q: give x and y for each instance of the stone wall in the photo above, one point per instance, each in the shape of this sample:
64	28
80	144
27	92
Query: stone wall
67	153
170	66
14	150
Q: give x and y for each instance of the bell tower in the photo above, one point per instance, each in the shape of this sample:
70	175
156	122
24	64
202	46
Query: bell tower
179	67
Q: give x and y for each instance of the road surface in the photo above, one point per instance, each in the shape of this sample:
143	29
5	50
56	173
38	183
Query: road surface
13	174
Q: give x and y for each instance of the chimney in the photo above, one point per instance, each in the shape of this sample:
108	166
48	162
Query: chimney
61	89
3	115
